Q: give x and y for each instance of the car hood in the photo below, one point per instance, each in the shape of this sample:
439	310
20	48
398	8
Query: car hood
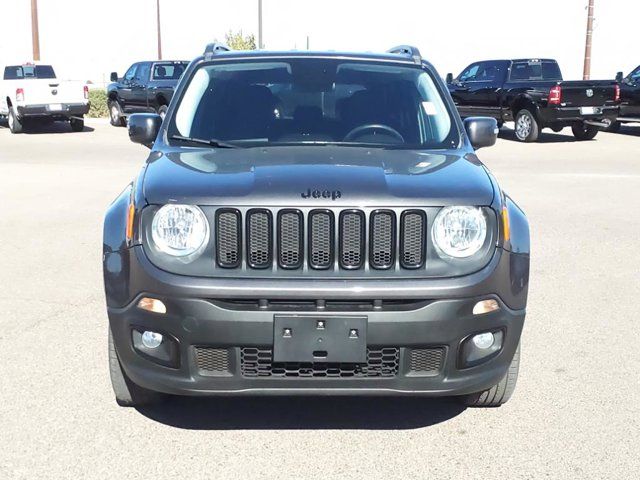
316	175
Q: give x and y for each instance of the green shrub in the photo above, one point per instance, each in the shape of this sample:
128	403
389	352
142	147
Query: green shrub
98	100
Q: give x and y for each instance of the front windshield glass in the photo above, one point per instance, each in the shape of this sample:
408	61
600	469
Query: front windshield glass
314	101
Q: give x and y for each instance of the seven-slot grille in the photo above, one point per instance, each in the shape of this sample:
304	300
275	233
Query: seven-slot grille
280	236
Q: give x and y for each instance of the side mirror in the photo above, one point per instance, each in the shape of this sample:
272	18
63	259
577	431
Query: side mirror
482	131
114	77
144	128
449	78
619	77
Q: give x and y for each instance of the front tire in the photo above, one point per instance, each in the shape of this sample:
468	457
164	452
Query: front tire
115	114
15	125
77	124
500	393
127	393
584	132
527	128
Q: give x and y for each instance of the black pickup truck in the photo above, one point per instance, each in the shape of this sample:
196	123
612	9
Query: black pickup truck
147	87
629	98
532	93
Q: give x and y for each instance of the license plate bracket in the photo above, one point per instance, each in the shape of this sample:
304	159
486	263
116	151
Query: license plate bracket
320	338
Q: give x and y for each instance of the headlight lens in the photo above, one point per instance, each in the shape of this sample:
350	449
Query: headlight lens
180	230
459	232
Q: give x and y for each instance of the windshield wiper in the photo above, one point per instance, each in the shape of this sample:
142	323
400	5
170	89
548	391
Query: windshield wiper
201	141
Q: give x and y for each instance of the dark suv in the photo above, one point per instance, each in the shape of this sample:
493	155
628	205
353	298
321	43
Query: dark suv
145	87
314	223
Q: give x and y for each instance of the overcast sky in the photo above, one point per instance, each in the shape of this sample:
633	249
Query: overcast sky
86	39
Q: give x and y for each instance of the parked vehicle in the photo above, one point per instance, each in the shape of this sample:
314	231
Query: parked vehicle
532	93
629	98
145	87
31	92
314	223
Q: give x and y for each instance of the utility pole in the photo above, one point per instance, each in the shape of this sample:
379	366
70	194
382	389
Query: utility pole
586	74
35	34
159	35
260	45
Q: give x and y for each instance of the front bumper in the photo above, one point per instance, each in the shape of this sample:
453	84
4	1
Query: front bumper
198	316
65	110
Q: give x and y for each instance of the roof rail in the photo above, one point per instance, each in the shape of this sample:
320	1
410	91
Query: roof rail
214	48
408	51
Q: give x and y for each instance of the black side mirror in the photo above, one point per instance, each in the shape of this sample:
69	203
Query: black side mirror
482	131
449	78
114	77
619	77
144	128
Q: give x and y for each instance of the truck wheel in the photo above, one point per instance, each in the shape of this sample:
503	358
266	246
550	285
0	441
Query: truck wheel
500	393
162	111
527	128
15	125
584	132
77	124
115	115
127	393
614	127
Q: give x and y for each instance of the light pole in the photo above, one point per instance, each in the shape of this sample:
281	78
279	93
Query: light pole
260	46
586	73
35	34
159	34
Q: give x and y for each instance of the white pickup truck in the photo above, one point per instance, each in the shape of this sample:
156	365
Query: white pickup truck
31	93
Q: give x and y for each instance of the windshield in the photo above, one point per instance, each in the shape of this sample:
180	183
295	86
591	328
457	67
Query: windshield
20	72
315	101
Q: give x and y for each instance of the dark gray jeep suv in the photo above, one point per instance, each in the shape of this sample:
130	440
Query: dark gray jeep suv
314	223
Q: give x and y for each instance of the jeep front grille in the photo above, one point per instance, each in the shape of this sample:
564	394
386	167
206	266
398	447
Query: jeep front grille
320	239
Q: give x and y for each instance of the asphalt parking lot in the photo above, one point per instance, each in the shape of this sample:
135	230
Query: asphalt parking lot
575	412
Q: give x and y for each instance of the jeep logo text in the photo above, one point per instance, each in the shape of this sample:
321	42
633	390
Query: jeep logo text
332	194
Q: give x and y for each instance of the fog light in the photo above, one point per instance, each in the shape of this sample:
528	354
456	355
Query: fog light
151	339
482	340
152	305
480	347
485	306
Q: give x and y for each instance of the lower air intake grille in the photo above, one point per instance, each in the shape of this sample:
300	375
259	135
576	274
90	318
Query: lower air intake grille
381	362
426	361
212	361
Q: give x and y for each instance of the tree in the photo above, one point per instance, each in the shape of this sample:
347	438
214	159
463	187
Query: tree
238	41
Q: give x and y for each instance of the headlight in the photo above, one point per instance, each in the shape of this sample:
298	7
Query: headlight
180	230
459	232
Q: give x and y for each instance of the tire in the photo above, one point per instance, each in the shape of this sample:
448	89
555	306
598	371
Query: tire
162	111
77	124
500	393
15	124
584	132
127	393
614	127
115	114
526	128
